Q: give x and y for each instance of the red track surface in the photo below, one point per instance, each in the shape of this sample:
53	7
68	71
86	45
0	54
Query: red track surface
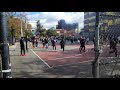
58	58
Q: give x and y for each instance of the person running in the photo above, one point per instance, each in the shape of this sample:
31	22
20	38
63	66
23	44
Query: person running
62	43
43	42
54	43
87	40
93	43
113	45
22	47
36	42
82	44
33	43
46	43
71	41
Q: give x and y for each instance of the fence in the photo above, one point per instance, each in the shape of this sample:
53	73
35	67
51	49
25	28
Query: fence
109	28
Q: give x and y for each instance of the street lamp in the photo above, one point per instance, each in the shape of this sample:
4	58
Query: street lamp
95	63
26	32
22	14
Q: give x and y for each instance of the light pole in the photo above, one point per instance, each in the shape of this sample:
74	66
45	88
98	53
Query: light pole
22	14
21	25
26	32
6	71
95	63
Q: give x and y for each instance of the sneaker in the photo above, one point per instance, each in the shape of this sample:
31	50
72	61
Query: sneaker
21	55
24	55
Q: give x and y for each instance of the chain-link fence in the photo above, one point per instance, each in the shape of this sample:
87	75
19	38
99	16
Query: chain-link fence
109	61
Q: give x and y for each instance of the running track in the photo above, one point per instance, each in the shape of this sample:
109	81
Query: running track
60	58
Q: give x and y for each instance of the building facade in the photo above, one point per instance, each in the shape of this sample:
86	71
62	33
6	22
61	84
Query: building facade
89	24
63	25
109	22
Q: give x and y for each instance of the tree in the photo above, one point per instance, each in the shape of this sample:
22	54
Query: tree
29	26
40	31
29	33
51	32
12	24
43	33
14	27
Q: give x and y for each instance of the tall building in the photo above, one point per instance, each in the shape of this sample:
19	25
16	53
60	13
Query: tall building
108	23
89	24
63	25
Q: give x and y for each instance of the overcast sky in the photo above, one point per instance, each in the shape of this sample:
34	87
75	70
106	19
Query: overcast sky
50	19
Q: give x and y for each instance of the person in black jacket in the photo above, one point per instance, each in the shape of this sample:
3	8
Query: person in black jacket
113	45
62	43
22	46
82	43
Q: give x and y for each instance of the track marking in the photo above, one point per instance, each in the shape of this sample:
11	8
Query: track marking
41	59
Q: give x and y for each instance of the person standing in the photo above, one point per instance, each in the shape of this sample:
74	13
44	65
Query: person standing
22	47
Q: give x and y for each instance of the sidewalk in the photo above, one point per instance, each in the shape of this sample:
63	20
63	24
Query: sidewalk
12	47
29	66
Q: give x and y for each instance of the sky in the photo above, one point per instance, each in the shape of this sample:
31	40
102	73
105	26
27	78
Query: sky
50	19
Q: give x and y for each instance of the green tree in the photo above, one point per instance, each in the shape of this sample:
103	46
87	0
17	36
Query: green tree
29	33
40	31
51	32
11	20
14	27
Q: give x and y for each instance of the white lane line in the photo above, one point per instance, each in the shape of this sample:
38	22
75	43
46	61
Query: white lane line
40	58
69	56
71	64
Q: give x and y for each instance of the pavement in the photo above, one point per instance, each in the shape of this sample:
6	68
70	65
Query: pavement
31	66
46	63
13	47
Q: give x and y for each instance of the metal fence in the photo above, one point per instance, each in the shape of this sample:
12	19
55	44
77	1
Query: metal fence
109	28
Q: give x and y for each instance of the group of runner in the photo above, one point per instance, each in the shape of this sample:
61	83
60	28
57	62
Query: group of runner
113	41
53	40
46	41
